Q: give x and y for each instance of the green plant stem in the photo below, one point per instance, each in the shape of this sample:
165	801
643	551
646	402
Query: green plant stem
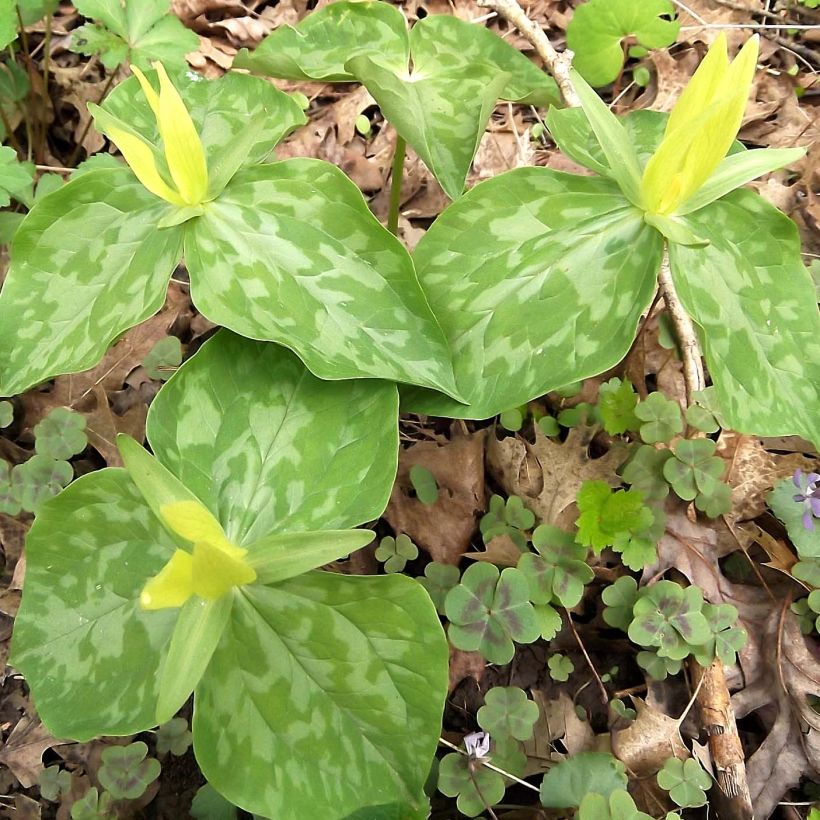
46	54
9	133
396	173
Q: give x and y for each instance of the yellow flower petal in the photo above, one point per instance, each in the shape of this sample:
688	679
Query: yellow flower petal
148	91
172	586
183	148
194	522
216	571
140	157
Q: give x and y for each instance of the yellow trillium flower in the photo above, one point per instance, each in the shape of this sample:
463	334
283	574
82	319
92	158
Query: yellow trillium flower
213	568
183	149
701	128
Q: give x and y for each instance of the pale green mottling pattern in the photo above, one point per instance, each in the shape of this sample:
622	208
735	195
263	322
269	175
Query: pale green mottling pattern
239	118
325	692
538	279
441	113
290	253
86	649
755	306
88	262
270	448
319	47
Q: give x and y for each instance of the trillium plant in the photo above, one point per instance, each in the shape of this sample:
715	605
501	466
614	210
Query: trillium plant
206	566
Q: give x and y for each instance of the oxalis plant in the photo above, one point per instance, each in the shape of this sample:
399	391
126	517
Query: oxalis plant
193	570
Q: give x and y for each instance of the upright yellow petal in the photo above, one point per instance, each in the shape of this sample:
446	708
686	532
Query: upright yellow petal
700	91
183	148
140	157
148	91
215	571
172	586
194	522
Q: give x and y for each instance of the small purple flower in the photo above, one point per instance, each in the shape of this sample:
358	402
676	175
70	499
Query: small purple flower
808	497
477	744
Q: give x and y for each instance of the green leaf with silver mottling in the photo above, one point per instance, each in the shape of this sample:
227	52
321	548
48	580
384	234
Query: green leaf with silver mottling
329	691
197	632
134	32
320	45
80	610
240	119
312	269
538	279
753	303
88	262
441	112
268	447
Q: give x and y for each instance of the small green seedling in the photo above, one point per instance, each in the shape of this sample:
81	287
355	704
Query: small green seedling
363	125
438	580
174	737
163	358
617	401
54	783
560	667
424	483
658	667
618	806
620	598
394	553
622	710
510	518
93	806
686	782
126	771
660	418
508	712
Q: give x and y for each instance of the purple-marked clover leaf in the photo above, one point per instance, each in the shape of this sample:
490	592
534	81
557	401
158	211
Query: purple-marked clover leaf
644	471
489	610
619	598
394	553
61	434
174	737
727	638
424	483
669	617
438	580
686	781
695	469
608	516
510	518
471	782
93	806
656	666
616	403
38	479
126	772
567	784
618	806
558	571
560	667
508	712
661	418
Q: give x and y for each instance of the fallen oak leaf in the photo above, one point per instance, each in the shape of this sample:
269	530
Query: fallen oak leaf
23	750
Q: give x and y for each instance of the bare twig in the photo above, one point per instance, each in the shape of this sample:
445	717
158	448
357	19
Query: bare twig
557	63
590	664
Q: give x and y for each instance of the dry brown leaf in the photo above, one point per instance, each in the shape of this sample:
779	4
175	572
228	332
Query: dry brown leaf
465	665
445	528
102	425
500	551
548	474
23	750
649	741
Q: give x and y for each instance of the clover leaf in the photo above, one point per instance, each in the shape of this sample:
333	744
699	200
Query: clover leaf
163	358
37	480
597	29
701	419
620	598
644	471
727	639
806	616
61	434
618	806
717	503
568	783
508	712
93	806
686	782
174	737
621	709
669	617
558	572
138	33
695	469
396	552
607	515
54	782
475	786
560	667
656	666
126	772
661	418
616	403
438	580
424	483
489	610
510	518
582	414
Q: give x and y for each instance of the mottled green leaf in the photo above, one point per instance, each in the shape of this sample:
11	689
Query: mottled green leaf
597	29
311	268
268	447
87	263
566	785
329	692
80	609
538	278
753	303
137	32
